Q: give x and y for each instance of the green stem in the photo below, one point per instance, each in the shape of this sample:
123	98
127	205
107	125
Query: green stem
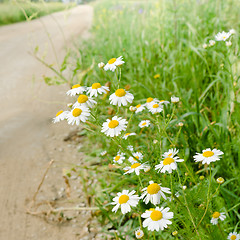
208	200
186	205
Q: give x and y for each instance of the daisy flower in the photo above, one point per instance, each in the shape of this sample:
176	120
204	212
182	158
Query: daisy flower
96	89
228	43
113	63
135	167
119	158
222	36
101	65
144	123
126	200
207	156
155	108
121	97
139	108
169	162
216	216
61	115
76	89
139	233
126	135
233	236
204	45
137	156
165	102
157	218
130	148
232	31
211	43
114	127
153	193
151	100
174	99
77	115
103	153
84	100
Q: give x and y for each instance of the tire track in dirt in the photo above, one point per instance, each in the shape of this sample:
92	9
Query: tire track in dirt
28	139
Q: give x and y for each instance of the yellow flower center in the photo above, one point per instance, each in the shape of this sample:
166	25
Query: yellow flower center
113	124
149	100
96	85
76	112
170	154
123	199
138	106
168	161
112	60
82	98
208	154
156	215
127	134
143	124
157	76
216	215
59	113
137	157
117	158
120	92
138	233
162	101
135	165
153	188
233	237
155	105
76	86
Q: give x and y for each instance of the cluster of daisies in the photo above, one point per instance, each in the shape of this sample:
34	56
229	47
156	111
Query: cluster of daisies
157	218
221	36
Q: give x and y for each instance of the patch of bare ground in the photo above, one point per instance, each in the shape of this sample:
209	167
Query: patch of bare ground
29	140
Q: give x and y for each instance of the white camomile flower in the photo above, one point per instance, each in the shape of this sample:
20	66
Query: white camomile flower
96	89
130	148
204	45
222	36
144	123
150	101
77	115
139	233
211	43
232	31
126	200
154	192
103	153
157	219
207	156
155	107
101	64
137	156
114	127
228	43
119	158
135	167
113	63
165	102
121	97
233	236
174	99
169	162
126	135
84	100
60	116
139	108
76	89
216	216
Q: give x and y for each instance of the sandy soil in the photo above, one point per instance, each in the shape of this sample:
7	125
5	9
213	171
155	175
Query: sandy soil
28	139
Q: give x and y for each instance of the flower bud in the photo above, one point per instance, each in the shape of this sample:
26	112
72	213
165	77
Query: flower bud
101	65
220	180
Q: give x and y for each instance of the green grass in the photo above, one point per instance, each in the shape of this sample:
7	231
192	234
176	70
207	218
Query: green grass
21	11
166	37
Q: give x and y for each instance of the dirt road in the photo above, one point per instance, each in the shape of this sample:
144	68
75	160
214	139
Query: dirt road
28	139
